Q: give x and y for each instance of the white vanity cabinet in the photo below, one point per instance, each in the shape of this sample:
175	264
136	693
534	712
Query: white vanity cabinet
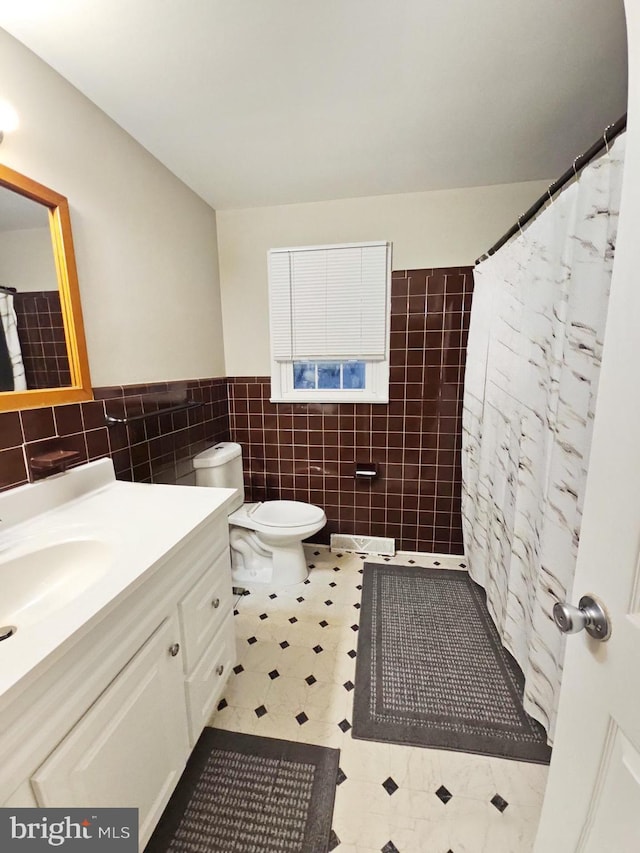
129	748
112	721
208	634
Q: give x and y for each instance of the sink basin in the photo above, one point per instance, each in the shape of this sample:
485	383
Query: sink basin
36	582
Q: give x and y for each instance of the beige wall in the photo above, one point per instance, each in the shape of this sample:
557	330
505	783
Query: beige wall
429	229
26	259
145	244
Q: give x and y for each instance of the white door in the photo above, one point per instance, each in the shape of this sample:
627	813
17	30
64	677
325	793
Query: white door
592	802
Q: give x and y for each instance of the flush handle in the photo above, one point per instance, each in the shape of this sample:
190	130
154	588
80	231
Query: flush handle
590	614
174	649
215	603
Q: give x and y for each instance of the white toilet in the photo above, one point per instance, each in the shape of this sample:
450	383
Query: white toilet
266	538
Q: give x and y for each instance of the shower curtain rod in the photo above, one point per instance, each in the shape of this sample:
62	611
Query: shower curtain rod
579	163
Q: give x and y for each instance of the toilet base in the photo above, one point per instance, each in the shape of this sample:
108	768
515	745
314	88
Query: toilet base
255	561
289	564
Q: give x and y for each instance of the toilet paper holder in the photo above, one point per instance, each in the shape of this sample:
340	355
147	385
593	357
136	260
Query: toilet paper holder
366	471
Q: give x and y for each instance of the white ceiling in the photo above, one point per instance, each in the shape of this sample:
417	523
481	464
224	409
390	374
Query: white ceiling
260	102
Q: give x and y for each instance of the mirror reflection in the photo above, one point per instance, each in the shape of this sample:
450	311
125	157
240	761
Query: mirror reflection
33	350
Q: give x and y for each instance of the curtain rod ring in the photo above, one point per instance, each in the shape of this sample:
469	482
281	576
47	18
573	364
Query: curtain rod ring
574	165
604	136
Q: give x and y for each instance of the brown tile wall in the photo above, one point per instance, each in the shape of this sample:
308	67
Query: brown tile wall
304	451
308	451
157	449
42	339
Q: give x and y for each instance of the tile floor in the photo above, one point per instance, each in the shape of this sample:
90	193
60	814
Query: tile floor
294	680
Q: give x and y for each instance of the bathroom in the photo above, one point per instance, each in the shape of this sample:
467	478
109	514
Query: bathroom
157	264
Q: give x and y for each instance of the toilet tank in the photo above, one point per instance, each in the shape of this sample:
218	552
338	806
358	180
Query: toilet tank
221	466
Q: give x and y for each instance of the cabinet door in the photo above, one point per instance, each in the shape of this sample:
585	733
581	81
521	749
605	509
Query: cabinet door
206	683
204	608
131	746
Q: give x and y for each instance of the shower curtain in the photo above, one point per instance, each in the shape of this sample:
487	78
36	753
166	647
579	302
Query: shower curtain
533	359
14	367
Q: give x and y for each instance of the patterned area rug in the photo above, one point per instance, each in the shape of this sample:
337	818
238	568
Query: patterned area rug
246	794
431	670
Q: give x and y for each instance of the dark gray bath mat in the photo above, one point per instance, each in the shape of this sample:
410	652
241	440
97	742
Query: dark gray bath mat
431	670
247	794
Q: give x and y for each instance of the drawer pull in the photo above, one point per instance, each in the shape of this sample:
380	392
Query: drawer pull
215	603
219	669
174	649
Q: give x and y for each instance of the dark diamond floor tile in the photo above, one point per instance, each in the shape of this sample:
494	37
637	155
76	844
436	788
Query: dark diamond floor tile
443	794
332	584
339	555
500	803
299	599
284	644
389	847
274	674
359	586
411	562
462	565
328	602
354	627
316	553
272	596
307	582
261	711
345	725
318	649
334	842
360	571
336	568
235	612
390	785
387	559
238	669
352	653
311	679
293	620
222	704
341	776
357	605
252	640
263	616
436	563
301	718
323	624
348	685
312	565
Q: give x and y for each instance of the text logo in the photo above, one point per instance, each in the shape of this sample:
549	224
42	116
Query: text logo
36	830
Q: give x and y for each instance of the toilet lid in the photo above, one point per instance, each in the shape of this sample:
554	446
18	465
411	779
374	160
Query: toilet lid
287	513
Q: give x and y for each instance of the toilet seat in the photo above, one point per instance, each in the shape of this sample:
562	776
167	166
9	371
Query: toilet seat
286	513
282	515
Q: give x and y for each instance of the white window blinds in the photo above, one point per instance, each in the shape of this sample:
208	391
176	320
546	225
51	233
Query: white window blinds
329	302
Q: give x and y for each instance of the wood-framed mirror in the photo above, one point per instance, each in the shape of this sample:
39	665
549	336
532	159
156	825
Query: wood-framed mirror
43	351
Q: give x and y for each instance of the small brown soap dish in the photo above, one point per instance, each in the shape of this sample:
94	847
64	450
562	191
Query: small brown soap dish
53	461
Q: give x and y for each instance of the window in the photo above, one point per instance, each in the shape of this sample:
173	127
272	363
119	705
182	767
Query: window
329	312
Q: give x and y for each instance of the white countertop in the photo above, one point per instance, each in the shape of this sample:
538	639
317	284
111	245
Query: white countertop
140	523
